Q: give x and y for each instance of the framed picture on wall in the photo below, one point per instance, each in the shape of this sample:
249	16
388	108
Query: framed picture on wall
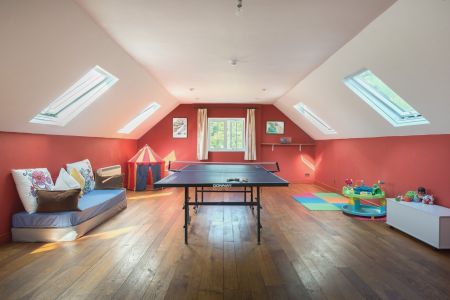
179	127
275	127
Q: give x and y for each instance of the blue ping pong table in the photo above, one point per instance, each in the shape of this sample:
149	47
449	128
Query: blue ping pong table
221	177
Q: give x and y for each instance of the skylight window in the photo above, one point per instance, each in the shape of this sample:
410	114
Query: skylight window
140	118
79	96
313	118
383	99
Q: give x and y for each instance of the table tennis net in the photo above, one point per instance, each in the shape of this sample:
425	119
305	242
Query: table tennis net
179	166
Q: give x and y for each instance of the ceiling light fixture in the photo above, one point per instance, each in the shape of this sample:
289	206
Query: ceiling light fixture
191	89
239	9
233	61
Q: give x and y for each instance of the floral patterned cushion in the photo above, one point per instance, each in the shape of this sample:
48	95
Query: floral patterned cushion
85	169
28	182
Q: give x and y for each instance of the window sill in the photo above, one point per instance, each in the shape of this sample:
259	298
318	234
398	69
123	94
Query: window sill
225	150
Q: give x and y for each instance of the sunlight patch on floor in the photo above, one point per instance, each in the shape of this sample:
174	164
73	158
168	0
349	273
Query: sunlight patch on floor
149	196
106	235
46	248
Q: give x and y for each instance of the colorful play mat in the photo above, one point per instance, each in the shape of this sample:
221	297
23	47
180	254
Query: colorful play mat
321	201
329	202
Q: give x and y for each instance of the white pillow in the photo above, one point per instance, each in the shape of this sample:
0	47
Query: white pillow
65	181
28	182
85	169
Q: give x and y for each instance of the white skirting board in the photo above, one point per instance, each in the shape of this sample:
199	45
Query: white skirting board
428	223
66	233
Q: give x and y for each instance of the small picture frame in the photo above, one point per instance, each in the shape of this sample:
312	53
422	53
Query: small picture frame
274	127
179	128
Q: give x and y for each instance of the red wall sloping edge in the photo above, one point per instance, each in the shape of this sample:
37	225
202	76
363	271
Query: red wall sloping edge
404	163
20	150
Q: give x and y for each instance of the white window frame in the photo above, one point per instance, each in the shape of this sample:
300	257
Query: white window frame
381	104
140	118
77	98
314	119
225	129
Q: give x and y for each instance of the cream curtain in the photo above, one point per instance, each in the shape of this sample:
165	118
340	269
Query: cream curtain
202	134
250	135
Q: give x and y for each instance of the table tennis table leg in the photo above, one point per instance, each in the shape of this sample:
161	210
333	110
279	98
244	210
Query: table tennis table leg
186	214
258	212
202	194
245	194
196	200
252	200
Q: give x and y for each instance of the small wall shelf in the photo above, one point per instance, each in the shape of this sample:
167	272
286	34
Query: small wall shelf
285	145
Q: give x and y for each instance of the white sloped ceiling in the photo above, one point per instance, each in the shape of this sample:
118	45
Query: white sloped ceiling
46	46
188	44
408	47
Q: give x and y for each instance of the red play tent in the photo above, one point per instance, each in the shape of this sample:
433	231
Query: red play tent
145	168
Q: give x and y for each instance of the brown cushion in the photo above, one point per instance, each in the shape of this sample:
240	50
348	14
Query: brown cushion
54	201
108	182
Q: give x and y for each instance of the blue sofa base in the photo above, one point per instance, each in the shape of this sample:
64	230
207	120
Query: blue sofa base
96	207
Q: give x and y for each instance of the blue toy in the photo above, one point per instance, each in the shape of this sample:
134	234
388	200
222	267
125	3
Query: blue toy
362	188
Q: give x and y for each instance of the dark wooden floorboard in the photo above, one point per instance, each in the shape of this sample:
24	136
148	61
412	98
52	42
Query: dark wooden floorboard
140	254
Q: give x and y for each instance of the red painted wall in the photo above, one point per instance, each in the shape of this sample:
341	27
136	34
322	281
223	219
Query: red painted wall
404	163
19	150
159	138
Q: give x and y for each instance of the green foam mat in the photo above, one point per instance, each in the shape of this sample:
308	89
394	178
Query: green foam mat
328	195
320	206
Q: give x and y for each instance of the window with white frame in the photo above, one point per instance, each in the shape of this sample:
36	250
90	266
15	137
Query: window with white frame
383	99
314	119
226	134
79	96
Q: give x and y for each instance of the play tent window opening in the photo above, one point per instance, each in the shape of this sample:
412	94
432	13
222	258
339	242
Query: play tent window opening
383	99
79	96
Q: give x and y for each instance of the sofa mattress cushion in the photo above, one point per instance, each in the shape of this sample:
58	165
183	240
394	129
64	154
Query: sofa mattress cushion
91	205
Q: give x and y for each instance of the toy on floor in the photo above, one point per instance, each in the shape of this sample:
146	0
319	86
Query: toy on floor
363	192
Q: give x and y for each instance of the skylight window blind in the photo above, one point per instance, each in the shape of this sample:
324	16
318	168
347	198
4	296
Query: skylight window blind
139	119
383	99
314	119
79	96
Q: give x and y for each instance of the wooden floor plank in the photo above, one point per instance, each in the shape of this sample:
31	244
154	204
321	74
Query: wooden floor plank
140	254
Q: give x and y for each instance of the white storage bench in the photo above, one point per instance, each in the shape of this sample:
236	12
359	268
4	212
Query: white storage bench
428	223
